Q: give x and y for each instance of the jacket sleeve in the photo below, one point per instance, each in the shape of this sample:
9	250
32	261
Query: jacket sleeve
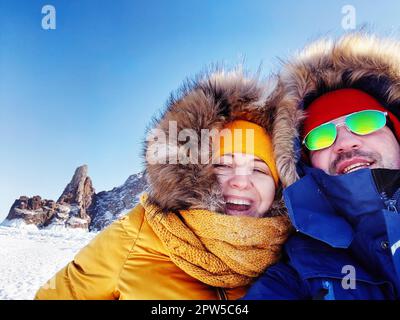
94	272
279	282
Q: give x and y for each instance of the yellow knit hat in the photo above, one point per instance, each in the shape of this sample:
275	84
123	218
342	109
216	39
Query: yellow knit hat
248	138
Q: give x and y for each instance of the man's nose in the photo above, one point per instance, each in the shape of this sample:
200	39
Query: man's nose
346	140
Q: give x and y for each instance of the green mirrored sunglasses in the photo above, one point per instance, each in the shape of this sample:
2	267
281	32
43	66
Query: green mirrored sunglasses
361	123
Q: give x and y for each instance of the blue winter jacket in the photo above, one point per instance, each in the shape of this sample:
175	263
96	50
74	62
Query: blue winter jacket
347	240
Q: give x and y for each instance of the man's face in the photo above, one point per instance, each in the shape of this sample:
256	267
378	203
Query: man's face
351	152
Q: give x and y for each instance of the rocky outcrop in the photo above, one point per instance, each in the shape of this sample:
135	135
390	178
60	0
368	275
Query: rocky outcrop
69	211
78	196
110	205
79	206
33	210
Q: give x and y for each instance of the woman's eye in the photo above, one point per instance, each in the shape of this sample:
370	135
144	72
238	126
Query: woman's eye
260	171
222	166
222	169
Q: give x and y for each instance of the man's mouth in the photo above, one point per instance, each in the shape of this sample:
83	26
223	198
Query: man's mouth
354	164
238	206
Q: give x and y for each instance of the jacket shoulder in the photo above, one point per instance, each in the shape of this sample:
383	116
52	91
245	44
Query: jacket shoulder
131	223
95	270
110	248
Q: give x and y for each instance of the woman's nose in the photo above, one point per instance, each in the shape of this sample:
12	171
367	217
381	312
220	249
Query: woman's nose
240	181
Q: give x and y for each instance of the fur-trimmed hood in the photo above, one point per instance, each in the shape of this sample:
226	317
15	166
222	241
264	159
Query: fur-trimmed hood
358	60
208	102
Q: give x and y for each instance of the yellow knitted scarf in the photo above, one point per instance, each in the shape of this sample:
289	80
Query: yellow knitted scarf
219	250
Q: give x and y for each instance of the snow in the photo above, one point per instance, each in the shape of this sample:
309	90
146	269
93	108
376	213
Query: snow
30	257
108	216
76	220
25	212
19	223
64	208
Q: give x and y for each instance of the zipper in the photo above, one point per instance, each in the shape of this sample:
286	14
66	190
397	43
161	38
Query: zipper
391	203
221	294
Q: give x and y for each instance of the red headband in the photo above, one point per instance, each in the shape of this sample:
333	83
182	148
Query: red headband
338	103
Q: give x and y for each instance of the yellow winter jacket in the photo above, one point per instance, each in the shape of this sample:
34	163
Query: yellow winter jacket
128	261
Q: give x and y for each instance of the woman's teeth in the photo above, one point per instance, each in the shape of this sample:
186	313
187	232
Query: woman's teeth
238	201
234	205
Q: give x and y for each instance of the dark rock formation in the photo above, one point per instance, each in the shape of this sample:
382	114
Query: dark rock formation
79	206
110	205
78	195
32	210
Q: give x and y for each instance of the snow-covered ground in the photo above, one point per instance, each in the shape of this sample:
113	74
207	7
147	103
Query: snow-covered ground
30	257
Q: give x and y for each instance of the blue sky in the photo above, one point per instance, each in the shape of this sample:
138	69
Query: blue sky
84	92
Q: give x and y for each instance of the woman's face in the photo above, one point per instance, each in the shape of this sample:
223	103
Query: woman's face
247	184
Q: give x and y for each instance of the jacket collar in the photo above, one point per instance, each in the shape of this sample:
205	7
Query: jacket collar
318	204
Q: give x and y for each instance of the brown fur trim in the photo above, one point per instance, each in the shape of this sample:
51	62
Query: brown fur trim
208	102
355	60
286	123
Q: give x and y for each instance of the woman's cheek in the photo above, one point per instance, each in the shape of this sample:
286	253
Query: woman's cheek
266	191
222	180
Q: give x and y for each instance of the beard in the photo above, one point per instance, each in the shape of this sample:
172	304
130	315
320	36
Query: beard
372	157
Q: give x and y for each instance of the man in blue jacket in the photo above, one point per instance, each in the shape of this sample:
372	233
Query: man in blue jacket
345	208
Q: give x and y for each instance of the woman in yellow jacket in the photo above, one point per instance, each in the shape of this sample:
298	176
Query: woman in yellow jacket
210	222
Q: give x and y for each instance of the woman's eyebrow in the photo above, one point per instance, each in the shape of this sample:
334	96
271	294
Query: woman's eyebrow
259	160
